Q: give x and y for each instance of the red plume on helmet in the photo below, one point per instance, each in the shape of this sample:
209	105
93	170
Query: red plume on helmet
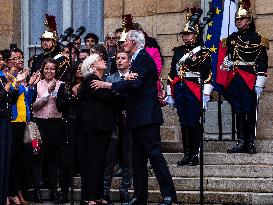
51	28
51	23
127	22
246	3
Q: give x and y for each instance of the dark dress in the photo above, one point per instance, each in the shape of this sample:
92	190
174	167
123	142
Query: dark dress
6	99
97	119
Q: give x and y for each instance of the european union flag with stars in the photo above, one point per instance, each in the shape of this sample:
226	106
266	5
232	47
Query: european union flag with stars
214	33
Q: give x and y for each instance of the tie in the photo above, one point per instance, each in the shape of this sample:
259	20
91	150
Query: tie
122	77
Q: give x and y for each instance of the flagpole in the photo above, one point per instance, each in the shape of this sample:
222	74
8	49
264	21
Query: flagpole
202	119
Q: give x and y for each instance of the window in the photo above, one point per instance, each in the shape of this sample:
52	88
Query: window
205	5
75	13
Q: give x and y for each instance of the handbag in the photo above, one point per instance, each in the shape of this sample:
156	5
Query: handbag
161	93
31	132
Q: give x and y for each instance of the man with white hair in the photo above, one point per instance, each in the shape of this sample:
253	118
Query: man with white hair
144	117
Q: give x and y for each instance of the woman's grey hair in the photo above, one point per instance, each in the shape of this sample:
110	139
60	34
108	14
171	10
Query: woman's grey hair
138	37
87	67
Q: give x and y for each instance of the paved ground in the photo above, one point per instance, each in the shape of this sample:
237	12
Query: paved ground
77	203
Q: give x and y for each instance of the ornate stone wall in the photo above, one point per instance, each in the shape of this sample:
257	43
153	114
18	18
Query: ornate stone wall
10	23
163	19
264	24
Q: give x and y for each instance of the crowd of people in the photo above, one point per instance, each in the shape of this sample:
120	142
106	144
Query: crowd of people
87	110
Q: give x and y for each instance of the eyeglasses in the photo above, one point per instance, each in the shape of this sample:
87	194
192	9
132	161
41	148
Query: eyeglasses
111	38
16	59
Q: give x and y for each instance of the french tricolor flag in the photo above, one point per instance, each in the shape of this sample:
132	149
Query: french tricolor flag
222	25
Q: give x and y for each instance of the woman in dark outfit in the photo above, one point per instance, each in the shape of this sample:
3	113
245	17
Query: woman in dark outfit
97	119
67	104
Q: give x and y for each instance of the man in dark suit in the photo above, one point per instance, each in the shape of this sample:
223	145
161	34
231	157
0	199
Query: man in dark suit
144	117
120	147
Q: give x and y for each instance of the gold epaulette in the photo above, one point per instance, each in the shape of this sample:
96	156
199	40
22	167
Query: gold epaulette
265	42
224	42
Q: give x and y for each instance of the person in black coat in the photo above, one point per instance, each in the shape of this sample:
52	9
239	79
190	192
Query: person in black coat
7	97
97	118
67	103
144	117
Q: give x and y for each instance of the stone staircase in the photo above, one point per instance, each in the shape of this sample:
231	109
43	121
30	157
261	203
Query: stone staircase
228	178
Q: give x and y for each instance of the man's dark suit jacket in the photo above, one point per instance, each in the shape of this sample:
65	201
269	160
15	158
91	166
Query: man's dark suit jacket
143	106
97	110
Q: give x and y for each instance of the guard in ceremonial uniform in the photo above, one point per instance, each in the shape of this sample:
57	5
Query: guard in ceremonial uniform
246	62
48	43
190	68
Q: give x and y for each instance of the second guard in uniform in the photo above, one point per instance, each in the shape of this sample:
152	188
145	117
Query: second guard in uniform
246	62
190	68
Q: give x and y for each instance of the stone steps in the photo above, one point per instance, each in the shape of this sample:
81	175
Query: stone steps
228	178
193	197
226	159
263	185
263	146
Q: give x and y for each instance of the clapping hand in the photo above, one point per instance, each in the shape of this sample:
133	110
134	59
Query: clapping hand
21	76
35	78
75	90
52	86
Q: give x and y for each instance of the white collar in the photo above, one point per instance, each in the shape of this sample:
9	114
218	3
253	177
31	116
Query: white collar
125	74
135	54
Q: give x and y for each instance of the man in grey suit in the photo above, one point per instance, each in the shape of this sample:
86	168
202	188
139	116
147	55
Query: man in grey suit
120	147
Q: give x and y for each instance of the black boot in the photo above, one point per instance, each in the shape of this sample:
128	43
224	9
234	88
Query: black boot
193	160
251	125
195	137
37	195
54	193
184	160
185	141
240	147
62	198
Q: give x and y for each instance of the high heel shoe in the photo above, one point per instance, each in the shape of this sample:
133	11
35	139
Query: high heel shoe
37	195
54	193
21	198
14	200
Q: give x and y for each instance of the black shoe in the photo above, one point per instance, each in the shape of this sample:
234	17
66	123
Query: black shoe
184	160
193	160
37	195
54	194
62	198
166	201
135	201
251	149
83	202
124	198
239	148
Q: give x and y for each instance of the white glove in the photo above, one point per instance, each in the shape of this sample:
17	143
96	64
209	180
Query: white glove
258	90
206	99
169	100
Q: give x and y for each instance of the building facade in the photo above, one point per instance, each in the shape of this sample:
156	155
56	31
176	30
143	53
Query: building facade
22	23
